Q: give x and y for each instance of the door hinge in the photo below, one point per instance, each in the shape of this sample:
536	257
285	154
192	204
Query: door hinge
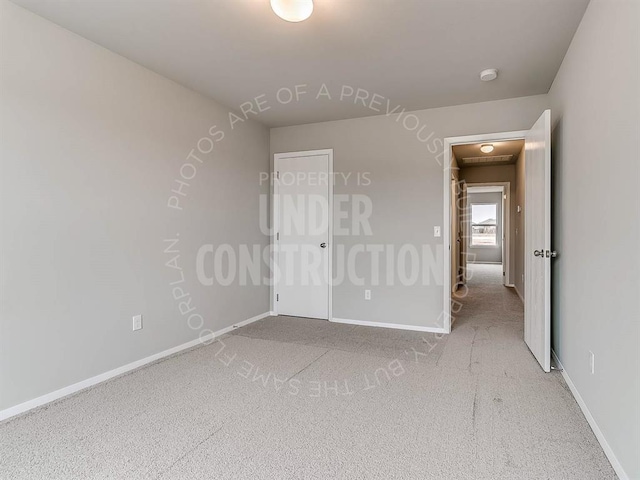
278	236
277	297
278	175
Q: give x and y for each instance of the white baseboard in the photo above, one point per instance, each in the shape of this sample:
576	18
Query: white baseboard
90	382
592	423
388	325
243	323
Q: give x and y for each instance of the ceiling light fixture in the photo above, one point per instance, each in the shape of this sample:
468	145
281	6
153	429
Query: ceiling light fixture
486	148
292	10
486	75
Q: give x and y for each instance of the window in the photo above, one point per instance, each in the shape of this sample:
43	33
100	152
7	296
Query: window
484	227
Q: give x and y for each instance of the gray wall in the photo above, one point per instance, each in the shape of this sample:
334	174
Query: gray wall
595	103
486	254
517	238
406	191
91	145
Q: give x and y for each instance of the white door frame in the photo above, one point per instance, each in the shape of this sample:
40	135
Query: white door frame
275	215
506	225
449	142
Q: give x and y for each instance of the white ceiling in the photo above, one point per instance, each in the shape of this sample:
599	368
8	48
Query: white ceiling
416	53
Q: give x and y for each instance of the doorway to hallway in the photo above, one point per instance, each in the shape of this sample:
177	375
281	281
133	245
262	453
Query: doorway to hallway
537	251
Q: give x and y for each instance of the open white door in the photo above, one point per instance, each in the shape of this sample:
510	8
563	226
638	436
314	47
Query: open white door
537	240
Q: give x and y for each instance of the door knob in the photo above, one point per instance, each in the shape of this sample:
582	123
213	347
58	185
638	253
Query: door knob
538	253
323	245
552	254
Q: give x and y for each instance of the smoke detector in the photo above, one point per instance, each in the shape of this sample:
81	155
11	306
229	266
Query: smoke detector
488	74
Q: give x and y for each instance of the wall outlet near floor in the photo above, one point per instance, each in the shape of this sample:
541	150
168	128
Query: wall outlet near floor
367	294
137	322
592	362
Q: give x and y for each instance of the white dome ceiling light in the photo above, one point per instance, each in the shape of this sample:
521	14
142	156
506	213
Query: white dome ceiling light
292	10
486	148
485	75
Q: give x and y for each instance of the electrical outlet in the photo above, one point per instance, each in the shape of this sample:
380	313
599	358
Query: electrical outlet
137	322
367	294
436	231
592	362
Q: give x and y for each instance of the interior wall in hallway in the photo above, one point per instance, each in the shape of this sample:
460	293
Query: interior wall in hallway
518	226
455	227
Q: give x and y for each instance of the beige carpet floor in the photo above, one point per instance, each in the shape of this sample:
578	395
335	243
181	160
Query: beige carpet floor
307	399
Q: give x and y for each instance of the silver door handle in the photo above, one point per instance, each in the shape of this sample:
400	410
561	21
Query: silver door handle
323	245
552	254
538	253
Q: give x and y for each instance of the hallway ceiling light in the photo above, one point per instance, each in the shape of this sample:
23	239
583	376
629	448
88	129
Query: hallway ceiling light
486	148
292	10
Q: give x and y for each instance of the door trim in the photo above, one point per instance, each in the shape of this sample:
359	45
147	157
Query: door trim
275	215
449	142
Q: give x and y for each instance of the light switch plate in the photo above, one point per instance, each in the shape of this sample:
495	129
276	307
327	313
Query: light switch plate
436	231
137	322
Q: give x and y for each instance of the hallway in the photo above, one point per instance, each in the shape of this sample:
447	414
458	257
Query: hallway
486	301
